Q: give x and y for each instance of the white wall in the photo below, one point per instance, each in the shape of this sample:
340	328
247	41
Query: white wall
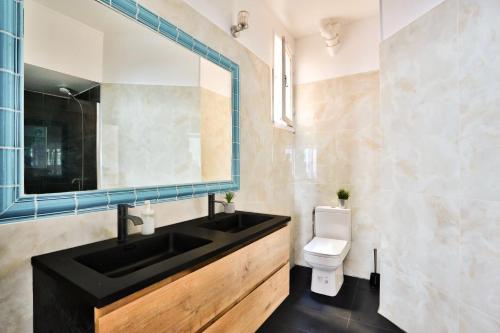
263	23
358	53
396	14
61	43
215	78
99	52
164	63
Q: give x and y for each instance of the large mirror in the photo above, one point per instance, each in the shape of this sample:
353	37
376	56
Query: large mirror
108	103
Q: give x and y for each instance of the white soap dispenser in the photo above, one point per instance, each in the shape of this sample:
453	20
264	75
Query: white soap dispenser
148	219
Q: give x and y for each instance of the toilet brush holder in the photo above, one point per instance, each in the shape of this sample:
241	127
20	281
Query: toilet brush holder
374	277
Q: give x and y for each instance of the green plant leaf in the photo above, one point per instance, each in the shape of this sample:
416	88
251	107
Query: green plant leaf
343	194
229	196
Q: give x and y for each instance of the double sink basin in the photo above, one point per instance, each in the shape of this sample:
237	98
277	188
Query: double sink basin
130	257
106	271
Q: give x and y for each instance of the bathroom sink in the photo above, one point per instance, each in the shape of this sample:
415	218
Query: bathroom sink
127	258
236	223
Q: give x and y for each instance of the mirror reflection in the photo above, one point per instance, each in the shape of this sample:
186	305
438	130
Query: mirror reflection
110	103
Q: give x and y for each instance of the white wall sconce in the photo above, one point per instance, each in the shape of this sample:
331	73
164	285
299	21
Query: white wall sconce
241	25
330	31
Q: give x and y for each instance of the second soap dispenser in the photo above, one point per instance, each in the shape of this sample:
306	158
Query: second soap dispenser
148	218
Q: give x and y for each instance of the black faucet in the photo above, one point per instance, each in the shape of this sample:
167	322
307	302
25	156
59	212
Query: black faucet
123	217
211	205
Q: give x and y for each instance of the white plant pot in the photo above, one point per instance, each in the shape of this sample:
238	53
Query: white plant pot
342	203
229	208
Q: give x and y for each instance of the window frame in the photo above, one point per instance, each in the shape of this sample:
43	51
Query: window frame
283	120
287	81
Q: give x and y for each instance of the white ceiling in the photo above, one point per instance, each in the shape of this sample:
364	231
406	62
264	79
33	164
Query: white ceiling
301	17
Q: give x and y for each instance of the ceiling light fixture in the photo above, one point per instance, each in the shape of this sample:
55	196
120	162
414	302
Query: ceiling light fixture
330	31
241	25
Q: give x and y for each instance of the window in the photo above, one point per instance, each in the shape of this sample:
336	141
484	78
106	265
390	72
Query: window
282	84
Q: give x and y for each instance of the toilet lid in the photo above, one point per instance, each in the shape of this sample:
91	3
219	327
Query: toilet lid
326	246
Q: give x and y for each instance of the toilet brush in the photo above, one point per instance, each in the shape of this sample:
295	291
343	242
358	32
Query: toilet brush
375	277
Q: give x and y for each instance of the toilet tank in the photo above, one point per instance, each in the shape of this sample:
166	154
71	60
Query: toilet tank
333	223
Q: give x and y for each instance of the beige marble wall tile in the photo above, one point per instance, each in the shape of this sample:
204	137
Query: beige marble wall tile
338	143
153	123
215	136
480	255
421	235
431	310
419	103
440	123
479	86
472	320
20	241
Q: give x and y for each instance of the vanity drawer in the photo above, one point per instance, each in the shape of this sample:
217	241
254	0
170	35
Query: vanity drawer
253	310
194	300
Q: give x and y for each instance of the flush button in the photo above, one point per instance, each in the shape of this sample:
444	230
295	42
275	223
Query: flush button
323	279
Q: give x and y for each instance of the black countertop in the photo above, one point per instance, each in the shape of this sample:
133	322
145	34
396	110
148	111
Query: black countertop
100	290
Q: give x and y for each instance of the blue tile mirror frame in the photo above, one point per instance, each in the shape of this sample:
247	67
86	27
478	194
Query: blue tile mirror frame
14	204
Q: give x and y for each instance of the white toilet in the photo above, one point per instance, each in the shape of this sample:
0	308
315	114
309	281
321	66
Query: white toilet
327	250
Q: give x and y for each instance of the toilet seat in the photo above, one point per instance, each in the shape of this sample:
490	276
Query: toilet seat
327	247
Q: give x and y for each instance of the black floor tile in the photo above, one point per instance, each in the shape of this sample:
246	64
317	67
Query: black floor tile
340	305
300	278
354	309
272	327
351	280
359	327
365	310
308	320
364	284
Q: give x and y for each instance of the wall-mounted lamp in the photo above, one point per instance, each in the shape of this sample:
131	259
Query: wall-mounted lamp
241	25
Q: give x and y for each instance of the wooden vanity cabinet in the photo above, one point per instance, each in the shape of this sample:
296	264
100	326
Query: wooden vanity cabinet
235	293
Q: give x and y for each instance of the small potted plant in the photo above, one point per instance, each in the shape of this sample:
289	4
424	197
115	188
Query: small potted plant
343	196
229	207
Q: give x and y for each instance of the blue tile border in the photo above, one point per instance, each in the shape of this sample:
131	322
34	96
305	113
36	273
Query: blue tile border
148	18
92	200
56	204
167	29
126	7
14	205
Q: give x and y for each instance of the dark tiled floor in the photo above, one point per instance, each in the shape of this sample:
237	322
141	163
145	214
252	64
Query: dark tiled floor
354	309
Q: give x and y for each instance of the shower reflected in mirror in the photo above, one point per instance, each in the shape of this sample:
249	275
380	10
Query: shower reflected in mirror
60	129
